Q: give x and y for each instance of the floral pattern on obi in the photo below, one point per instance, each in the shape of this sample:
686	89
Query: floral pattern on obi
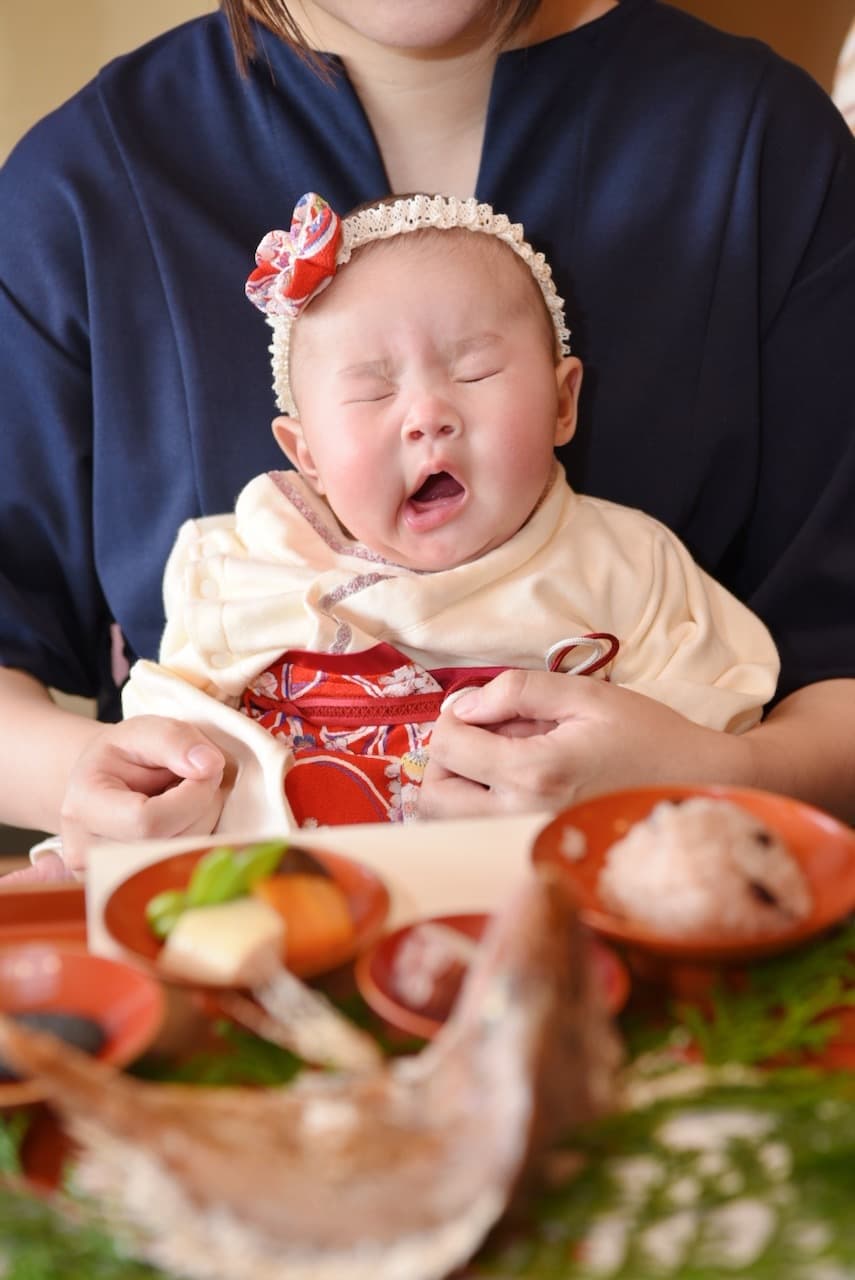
359	727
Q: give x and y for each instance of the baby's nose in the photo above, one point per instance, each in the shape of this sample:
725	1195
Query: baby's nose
431	417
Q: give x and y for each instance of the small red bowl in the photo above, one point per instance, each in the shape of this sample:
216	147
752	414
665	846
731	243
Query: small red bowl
823	847
375	971
125	920
126	1002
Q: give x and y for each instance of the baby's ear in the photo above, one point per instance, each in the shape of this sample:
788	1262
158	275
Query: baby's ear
568	376
288	433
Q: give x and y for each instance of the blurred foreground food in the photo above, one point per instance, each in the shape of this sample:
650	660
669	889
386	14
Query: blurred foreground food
398	1171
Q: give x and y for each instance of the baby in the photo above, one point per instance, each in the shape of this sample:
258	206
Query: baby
428	538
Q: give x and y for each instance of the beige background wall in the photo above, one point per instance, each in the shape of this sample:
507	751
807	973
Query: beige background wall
48	48
810	32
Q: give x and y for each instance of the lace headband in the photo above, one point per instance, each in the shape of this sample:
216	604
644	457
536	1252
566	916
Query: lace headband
294	266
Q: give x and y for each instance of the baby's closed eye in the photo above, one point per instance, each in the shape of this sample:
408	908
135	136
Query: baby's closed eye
368	390
477	372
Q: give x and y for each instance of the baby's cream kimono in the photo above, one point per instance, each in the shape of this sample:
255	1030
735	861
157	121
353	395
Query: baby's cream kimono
279	575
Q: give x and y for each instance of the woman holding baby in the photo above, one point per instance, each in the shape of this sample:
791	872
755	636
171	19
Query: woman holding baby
710	293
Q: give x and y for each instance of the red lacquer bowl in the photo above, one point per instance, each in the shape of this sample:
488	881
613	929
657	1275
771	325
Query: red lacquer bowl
124	914
123	999
823	847
375	977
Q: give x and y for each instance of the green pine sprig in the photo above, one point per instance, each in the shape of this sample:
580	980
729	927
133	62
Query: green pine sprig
808	1200
785	1009
43	1240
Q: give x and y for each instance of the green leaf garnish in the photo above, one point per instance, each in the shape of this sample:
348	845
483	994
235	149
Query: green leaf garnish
162	911
215	878
259	861
238	1058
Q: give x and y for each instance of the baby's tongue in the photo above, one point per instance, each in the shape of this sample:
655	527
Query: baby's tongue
441	485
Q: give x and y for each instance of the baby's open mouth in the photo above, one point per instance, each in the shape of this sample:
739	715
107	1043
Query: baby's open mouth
438	500
435	488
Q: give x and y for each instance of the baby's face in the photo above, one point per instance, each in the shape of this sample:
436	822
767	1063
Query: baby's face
429	400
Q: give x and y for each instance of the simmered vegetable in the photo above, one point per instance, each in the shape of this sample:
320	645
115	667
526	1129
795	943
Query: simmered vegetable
227	944
291	886
317	917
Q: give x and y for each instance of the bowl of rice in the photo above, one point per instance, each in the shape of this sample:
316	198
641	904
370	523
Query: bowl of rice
705	874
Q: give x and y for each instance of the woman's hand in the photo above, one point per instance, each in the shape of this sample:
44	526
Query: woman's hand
49	868
146	777
538	740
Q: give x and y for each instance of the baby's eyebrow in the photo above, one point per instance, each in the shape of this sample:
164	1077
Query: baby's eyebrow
365	369
455	350
476	342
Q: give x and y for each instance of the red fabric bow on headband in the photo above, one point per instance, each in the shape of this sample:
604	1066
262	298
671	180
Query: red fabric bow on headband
294	266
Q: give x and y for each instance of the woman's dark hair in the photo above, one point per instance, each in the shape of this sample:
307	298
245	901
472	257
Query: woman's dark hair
508	16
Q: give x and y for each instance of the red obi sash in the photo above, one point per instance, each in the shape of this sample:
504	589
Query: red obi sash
358	725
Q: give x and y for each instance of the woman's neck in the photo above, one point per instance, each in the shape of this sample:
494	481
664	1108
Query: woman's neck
428	118
428	106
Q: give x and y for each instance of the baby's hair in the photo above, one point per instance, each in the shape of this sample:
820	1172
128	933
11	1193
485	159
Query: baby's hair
507	17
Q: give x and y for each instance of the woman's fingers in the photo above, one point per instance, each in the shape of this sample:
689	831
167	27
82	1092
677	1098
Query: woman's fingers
600	737
49	868
186	808
444	796
206	816
146	777
156	743
519	695
468	751
530	740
